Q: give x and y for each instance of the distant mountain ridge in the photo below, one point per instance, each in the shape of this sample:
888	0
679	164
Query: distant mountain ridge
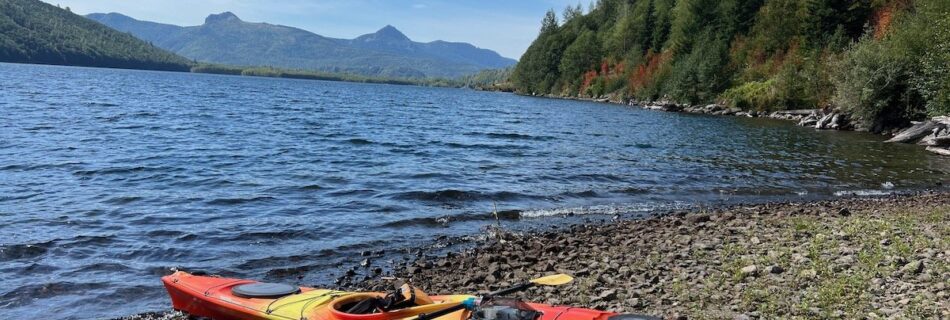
224	38
35	32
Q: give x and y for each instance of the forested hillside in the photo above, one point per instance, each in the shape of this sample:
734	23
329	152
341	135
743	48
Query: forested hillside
35	32
885	61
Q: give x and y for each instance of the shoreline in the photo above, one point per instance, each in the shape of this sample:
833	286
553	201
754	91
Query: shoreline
932	134
748	261
857	257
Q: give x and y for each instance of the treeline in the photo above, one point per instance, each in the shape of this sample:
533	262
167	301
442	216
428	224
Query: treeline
490	80
886	61
35	32
318	75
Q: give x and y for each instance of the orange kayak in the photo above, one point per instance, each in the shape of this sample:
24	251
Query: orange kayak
236	299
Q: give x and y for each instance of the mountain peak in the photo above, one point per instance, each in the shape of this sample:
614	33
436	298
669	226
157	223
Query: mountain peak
387	33
110	16
222	17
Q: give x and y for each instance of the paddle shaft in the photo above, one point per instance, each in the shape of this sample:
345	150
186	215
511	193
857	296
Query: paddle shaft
463	306
517	288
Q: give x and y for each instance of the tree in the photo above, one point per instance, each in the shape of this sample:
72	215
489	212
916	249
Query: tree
572	12
582	55
549	23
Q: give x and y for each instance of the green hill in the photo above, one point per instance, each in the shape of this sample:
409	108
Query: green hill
885	61
226	39
35	32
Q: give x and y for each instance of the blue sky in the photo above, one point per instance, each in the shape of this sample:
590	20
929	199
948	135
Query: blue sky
507	27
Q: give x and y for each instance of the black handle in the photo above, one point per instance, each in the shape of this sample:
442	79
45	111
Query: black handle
430	316
520	287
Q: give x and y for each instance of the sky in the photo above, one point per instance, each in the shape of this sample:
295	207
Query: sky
506	26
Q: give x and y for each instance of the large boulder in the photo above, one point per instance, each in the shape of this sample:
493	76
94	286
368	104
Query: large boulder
916	132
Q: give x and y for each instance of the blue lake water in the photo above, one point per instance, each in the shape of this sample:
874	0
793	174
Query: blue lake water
109	178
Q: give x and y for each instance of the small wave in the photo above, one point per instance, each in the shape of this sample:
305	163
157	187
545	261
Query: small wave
19	197
613	209
581	194
310	187
115	170
862	193
596	177
130	127
484	146
24	251
428	175
358	141
356	192
444	221
633	190
164	233
11	167
88	241
277	261
510	136
27	294
34	269
101	104
643	146
40	128
102	267
274	235
233	201
122	200
452	195
146	114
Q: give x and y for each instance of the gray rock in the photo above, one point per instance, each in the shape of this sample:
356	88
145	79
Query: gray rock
808	274
749	270
914	267
939	150
915	132
808	121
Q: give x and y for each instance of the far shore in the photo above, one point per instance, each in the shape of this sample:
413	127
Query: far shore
882	257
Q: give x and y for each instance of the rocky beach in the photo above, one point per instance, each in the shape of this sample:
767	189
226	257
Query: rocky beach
851	258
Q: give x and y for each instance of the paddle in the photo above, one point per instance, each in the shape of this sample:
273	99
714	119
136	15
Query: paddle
552	280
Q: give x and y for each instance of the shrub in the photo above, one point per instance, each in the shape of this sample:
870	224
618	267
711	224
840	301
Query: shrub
872	80
934	80
755	95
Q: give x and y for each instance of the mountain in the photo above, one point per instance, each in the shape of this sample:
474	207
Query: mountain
35	32
224	38
885	62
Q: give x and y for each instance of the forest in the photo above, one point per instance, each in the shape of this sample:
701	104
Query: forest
887	62
35	32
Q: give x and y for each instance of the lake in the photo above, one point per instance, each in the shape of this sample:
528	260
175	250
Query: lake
110	178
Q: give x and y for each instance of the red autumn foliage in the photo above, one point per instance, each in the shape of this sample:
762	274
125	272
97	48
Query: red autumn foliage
884	17
589	77
646	71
